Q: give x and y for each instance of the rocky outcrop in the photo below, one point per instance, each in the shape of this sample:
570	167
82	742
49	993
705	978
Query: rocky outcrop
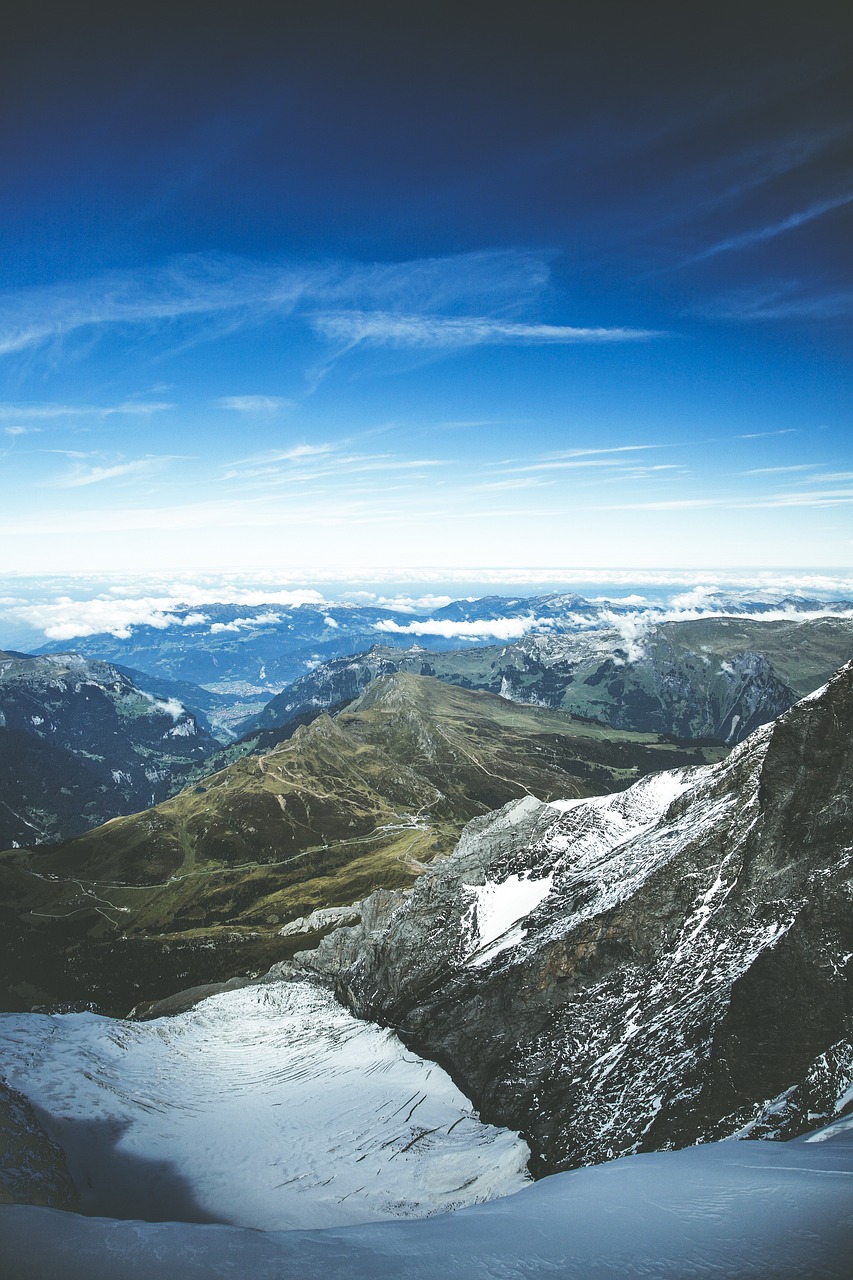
33	1169
663	966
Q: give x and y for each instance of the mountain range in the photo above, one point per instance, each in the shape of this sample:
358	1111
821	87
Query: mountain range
650	974
709	678
310	811
254	651
200	887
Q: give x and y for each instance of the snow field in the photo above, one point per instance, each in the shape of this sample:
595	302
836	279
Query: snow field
269	1107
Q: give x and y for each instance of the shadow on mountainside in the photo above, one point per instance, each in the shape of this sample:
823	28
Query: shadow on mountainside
115	1183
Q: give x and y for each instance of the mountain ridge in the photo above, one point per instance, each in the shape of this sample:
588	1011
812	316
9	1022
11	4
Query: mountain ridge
680	967
201	884
709	678
81	743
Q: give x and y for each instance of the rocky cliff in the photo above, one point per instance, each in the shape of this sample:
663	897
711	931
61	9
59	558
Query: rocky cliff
645	970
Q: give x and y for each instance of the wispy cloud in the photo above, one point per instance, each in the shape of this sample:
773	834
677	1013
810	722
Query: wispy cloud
784	300
254	404
742	172
20	431
298	464
616	448
770	471
516	482
462	424
763	435
392	329
185	287
571	464
296	453
774	229
669	504
206	288
613	458
80	476
46	411
821	498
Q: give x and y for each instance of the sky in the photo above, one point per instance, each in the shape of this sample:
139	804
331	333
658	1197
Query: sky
312	289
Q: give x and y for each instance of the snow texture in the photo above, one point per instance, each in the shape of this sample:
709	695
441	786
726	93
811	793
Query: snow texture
269	1107
739	1210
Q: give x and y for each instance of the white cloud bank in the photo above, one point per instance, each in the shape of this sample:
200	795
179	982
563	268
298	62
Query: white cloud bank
161	603
494	629
67	619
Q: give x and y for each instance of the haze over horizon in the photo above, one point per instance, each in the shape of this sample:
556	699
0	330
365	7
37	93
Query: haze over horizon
395	286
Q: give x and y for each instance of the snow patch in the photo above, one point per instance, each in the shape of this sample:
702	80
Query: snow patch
496	908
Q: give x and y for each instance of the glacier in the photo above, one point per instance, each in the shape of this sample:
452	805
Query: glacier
267	1107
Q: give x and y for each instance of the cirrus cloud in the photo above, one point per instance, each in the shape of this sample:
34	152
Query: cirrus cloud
393	329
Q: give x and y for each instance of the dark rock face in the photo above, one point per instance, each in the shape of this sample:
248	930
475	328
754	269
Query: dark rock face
80	743
645	970
33	1169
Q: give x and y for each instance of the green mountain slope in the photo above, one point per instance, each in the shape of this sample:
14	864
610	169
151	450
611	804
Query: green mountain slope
198	888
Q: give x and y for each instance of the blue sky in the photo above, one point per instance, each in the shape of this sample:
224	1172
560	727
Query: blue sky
408	285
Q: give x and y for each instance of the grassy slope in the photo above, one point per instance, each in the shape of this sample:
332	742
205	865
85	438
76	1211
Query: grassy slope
196	889
803	654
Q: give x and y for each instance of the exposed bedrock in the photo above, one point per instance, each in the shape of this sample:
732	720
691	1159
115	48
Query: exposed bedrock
638	971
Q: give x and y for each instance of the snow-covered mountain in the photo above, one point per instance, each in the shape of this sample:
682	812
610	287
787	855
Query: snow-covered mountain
667	965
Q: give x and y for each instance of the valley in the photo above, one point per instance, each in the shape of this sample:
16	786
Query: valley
504	912
198	888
